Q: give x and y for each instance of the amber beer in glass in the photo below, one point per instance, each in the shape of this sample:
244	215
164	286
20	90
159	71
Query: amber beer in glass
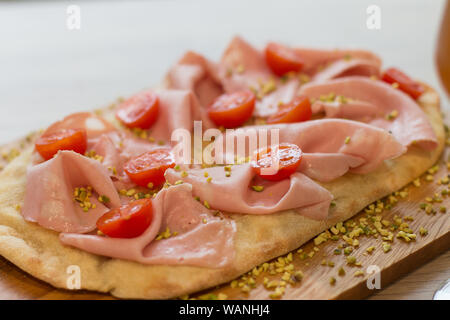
443	65
443	49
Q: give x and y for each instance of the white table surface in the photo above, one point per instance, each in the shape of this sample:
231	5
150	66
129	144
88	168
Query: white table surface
48	71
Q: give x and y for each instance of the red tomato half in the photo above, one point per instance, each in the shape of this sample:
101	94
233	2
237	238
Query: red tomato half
128	221
232	110
282	59
139	111
287	155
149	167
405	83
299	109
71	139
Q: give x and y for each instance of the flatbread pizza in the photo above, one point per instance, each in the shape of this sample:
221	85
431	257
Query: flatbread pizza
105	192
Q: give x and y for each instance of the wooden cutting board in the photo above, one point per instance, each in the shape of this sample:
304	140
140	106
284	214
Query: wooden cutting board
319	263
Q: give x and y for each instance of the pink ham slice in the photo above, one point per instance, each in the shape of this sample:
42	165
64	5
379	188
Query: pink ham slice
320	64
234	193
326	155
49	198
117	148
317	60
284	93
203	239
345	68
378	99
208	80
178	109
94	125
196	73
240	54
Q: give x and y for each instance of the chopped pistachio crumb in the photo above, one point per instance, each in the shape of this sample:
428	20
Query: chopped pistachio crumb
392	115
103	199
348	250
358	273
258	188
222	296
351	260
423	232
370	249
347	140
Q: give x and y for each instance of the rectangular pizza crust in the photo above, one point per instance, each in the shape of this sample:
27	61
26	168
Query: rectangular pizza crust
258	238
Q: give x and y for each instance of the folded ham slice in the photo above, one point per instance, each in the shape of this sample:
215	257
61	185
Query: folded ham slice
196	73
203	239
345	68
317	60
94	125
373	101
330	147
49	194
178	109
242	67
319	64
234	193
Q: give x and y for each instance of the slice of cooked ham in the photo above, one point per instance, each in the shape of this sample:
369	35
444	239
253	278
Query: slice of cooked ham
196	73
377	99
323	142
243	67
94	125
178	109
318	60
234	193
49	193
346	68
327	156
241	55
203	239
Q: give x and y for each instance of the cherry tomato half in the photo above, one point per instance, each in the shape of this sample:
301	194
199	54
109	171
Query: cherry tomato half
405	83
282	60
299	109
139	111
128	221
287	155
150	167
232	110
70	139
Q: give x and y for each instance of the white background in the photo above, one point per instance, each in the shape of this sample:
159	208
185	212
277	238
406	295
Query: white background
48	71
